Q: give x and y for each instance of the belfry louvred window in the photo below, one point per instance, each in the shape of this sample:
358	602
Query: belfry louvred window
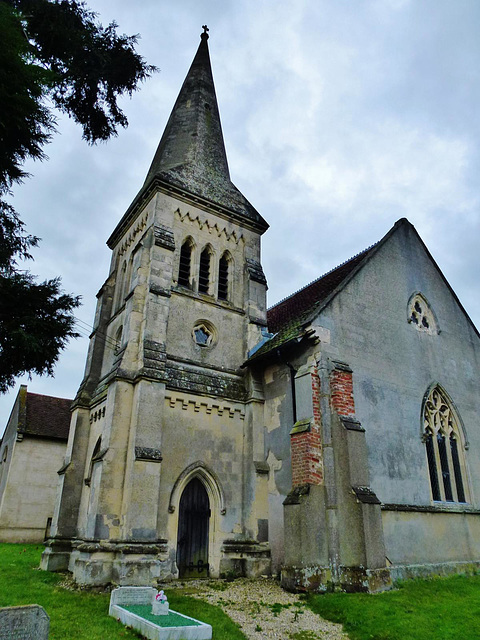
204	272
223	278
185	264
444	448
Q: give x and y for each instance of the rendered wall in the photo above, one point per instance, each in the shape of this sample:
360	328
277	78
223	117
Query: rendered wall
431	538
393	366
29	498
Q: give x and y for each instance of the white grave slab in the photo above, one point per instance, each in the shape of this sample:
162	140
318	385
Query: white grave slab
125	596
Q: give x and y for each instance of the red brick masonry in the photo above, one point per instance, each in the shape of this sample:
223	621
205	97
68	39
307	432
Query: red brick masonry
341	389
306	447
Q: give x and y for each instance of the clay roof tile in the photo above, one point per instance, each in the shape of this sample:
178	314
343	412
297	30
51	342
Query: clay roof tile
47	416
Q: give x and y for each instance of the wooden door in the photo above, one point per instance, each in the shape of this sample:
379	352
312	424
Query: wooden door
193	526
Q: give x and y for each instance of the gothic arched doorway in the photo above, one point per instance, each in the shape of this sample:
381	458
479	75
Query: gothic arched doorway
193	526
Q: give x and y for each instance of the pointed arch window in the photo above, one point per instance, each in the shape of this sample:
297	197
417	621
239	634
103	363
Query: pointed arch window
96	451
444	449
97	456
118	340
128	278
120	286
204	271
184	269
223	292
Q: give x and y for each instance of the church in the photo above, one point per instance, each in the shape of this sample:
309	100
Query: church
332	440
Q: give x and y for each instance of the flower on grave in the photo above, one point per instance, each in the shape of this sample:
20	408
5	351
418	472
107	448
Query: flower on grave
161	597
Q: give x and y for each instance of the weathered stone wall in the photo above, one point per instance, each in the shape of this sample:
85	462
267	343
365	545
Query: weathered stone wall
394	365
278	420
8	444
376	439
162	407
293	443
306	438
29	497
206	436
433	537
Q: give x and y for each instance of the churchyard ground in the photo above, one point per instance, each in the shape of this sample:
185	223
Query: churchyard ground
437	609
83	614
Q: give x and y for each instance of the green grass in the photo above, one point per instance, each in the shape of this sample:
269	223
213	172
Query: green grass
437	609
84	615
223	627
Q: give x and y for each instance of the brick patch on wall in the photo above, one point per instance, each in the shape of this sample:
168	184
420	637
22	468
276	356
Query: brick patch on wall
341	390
306	447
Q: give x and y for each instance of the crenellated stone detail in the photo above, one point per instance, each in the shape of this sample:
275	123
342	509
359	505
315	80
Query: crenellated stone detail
97	414
221	410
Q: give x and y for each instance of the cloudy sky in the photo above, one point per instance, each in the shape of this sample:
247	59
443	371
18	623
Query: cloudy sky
339	117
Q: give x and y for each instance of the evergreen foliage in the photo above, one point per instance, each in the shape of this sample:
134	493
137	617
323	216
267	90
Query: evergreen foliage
56	51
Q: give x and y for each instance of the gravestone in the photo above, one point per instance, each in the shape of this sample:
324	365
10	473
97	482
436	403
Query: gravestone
29	622
132	595
132	606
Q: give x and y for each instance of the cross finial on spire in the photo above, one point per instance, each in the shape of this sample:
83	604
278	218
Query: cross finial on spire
204	35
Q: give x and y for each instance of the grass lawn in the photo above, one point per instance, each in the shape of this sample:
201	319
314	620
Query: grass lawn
84	615
436	609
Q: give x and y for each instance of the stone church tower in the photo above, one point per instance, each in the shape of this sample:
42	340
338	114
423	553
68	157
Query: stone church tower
164	473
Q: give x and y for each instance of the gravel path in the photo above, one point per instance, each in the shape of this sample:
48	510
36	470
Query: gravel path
263	609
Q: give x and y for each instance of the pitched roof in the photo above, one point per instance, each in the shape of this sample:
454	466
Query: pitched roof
46	416
191	157
300	303
289	317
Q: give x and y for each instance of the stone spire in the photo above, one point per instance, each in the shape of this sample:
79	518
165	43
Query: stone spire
191	155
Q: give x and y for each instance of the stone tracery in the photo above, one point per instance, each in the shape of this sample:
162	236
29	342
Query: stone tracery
421	315
444	447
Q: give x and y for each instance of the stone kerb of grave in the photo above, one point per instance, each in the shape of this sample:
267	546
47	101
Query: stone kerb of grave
29	622
136	607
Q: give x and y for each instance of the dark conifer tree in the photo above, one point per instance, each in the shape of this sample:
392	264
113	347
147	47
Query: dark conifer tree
57	50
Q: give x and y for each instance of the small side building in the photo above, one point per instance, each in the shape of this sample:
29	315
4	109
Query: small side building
32	450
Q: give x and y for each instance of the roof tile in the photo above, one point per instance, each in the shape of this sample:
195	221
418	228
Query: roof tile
47	416
288	317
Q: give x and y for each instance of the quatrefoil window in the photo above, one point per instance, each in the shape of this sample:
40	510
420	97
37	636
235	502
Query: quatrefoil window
203	334
420	315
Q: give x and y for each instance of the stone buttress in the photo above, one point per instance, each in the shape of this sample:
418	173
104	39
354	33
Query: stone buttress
333	523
